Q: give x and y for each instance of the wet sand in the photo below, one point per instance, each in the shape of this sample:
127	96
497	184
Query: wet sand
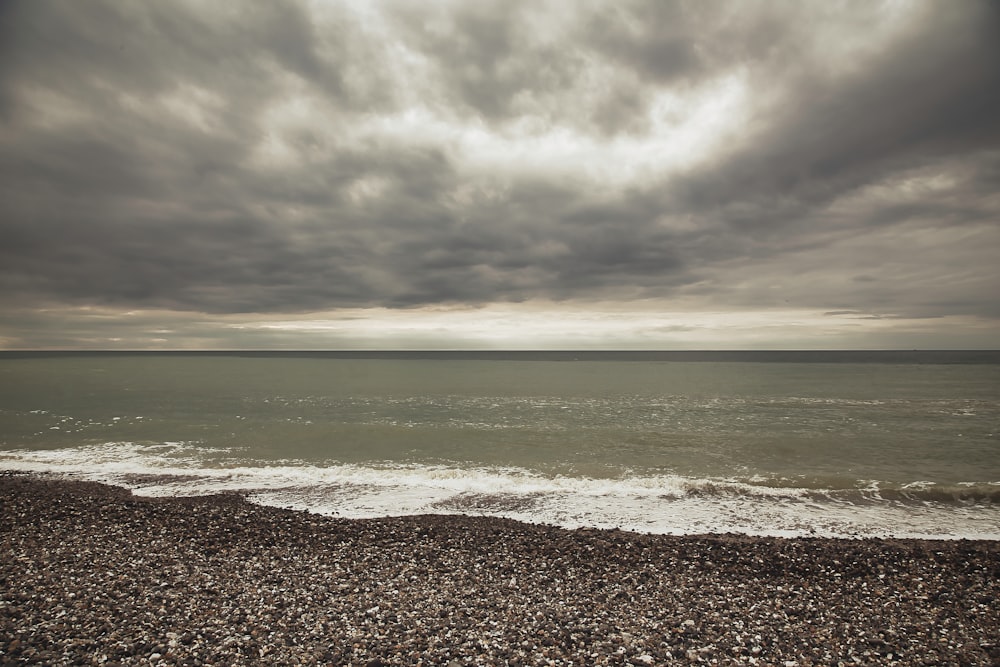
90	574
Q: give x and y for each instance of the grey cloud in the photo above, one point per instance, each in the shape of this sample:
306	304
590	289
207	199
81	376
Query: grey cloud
476	43
933	99
667	43
936	93
129	205
491	62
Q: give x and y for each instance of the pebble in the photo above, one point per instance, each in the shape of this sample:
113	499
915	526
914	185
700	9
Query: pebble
93	575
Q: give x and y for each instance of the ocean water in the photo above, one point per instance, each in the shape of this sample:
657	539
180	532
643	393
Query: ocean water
827	444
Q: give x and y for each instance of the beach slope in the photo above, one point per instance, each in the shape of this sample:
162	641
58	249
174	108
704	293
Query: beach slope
90	574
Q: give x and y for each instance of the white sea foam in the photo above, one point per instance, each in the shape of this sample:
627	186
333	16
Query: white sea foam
649	503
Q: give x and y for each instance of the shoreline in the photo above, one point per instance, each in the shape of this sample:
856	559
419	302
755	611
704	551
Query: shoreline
93	574
678	506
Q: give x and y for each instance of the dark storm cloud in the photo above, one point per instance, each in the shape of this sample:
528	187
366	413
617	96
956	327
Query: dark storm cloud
936	93
230	159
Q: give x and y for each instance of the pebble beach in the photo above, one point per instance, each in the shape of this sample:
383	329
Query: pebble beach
90	574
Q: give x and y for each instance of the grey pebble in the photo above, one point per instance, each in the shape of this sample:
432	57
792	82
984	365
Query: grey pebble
91	575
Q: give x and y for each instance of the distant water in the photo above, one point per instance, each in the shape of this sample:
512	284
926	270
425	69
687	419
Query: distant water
900	444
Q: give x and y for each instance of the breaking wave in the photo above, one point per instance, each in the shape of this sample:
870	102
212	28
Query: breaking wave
649	503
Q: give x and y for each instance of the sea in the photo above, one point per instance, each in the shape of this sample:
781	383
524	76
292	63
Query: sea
842	444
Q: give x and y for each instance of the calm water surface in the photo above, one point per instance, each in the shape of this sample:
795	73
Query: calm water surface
741	444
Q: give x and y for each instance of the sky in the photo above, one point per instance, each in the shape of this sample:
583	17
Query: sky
571	174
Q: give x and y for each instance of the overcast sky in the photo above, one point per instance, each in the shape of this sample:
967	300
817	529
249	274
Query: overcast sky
470	174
